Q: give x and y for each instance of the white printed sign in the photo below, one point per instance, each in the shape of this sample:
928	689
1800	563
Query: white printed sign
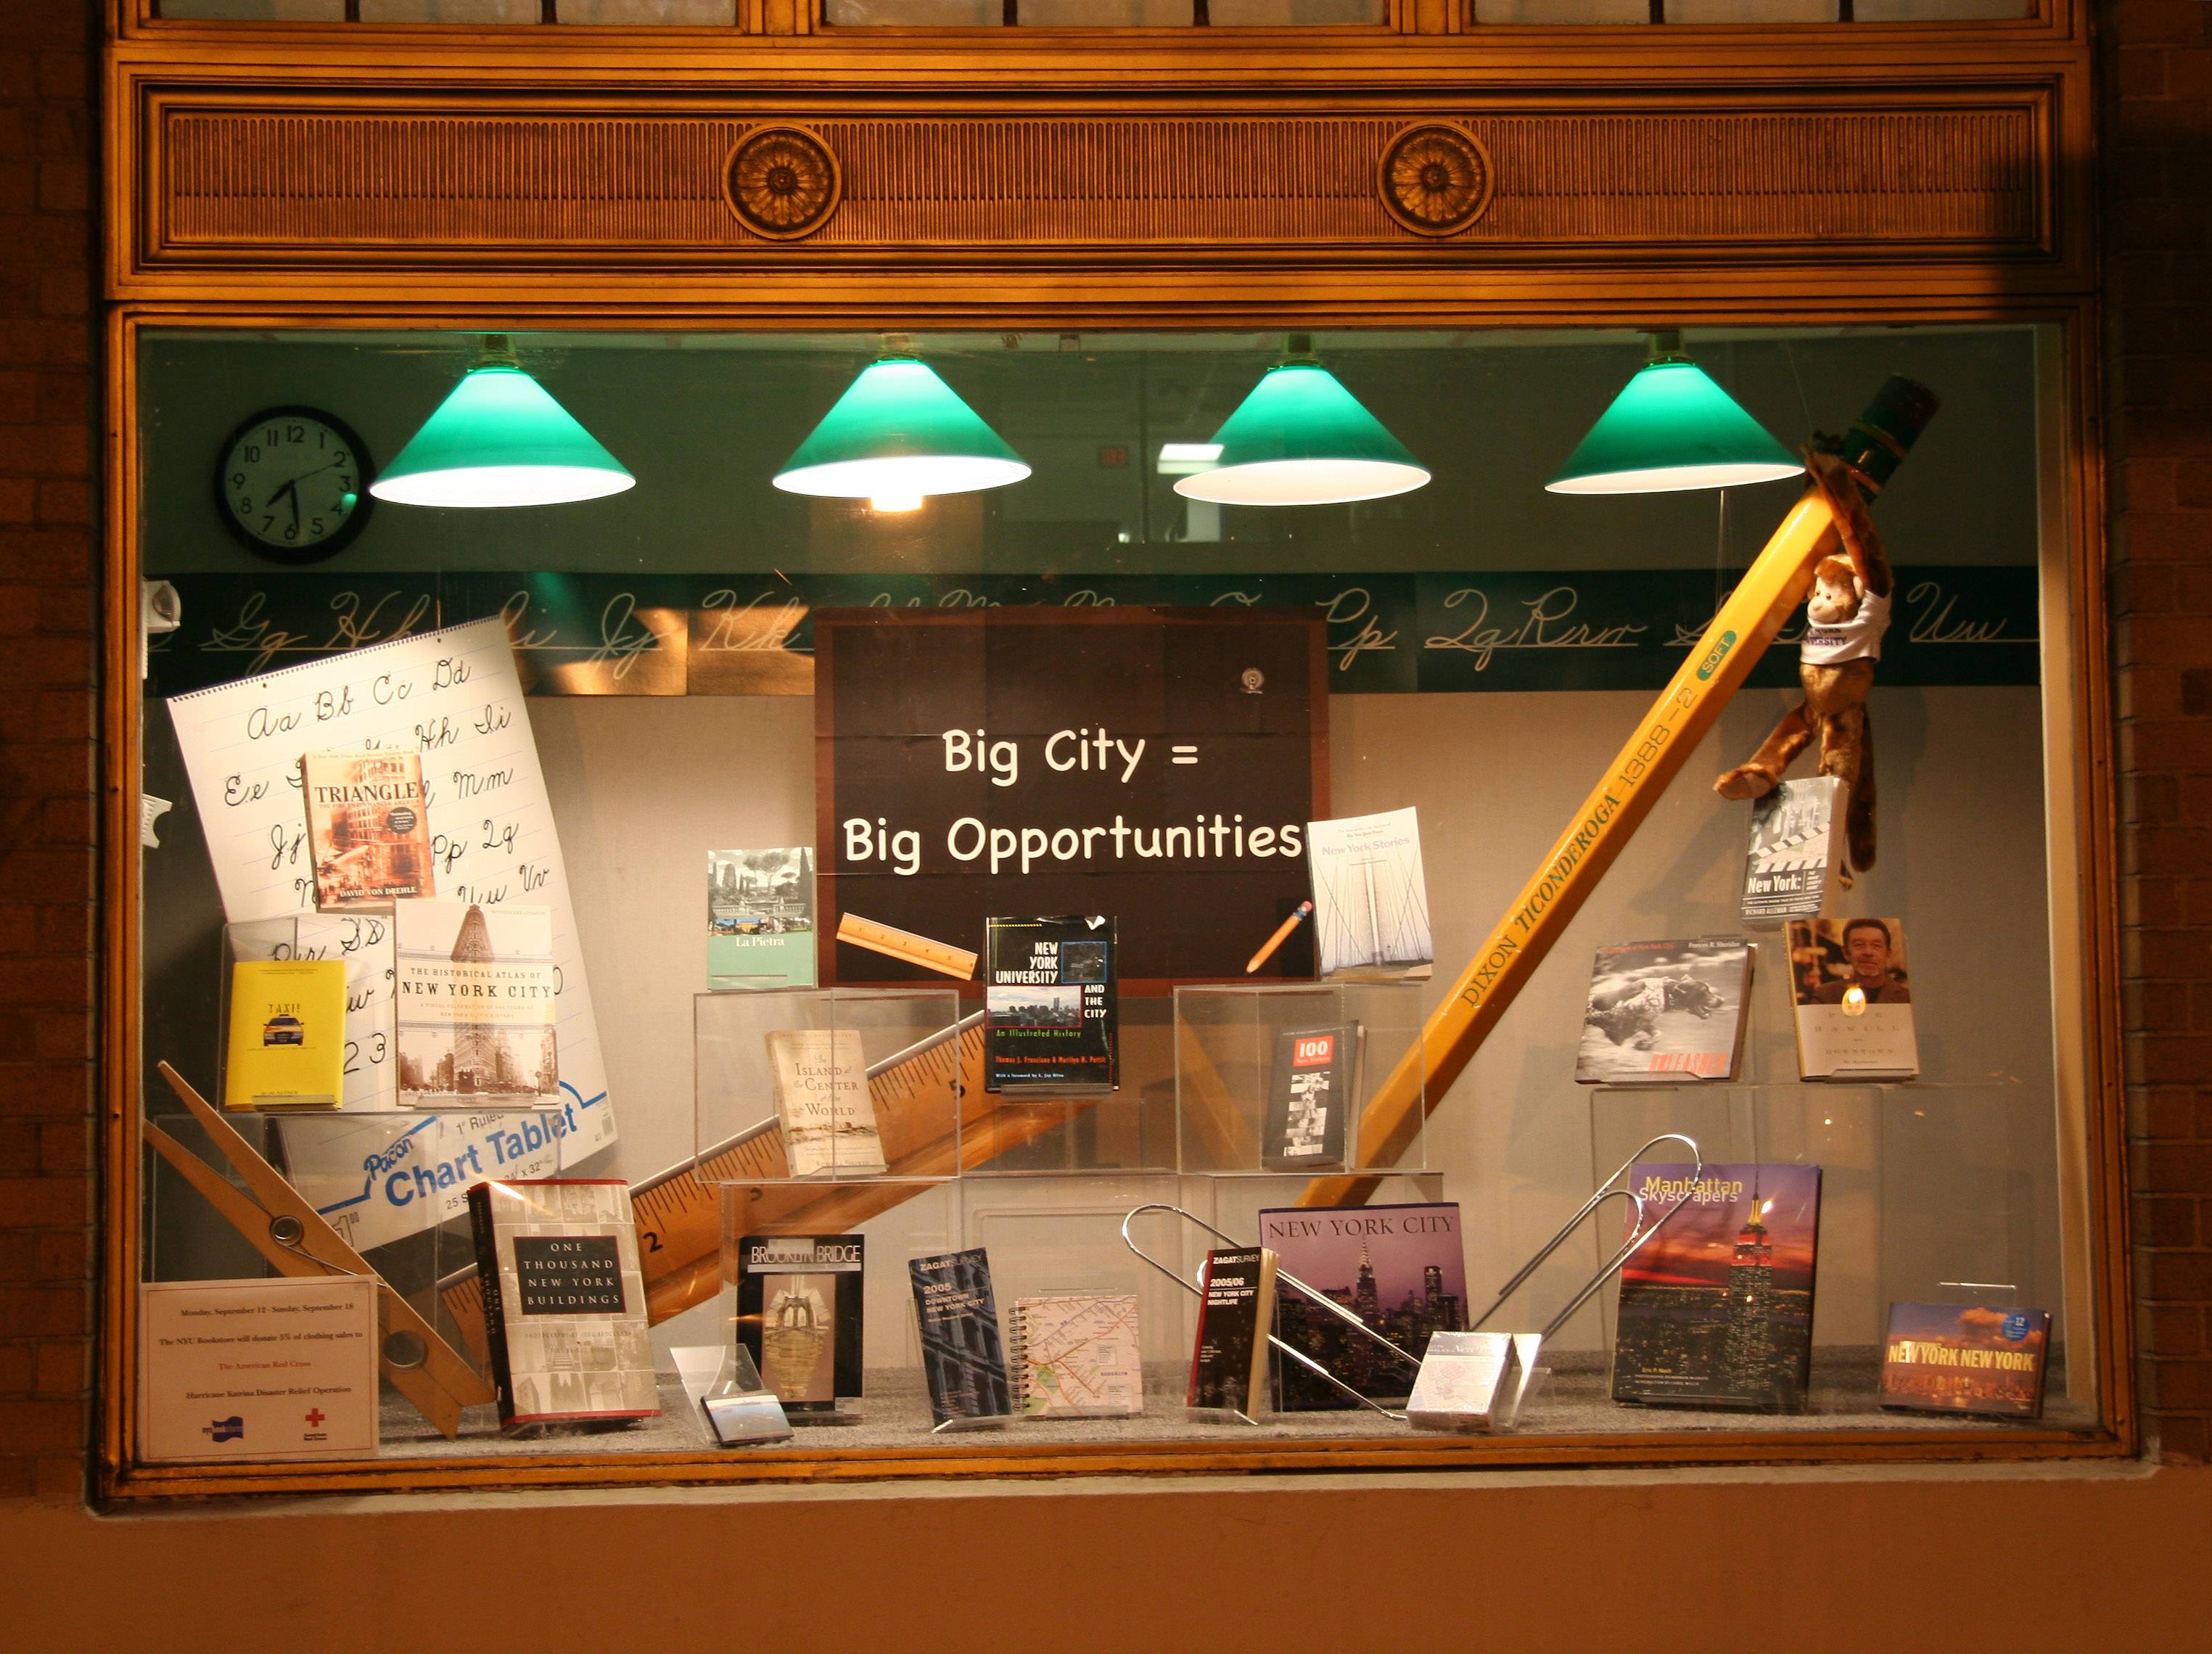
257	1370
452	695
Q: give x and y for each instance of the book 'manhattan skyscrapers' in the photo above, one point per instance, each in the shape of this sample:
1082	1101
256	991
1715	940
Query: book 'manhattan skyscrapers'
1716	1309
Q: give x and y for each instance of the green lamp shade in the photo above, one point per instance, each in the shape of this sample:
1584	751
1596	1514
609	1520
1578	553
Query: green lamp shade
1300	438
1672	427
498	439
898	435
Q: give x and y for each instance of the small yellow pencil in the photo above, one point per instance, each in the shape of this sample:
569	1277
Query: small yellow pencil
1303	911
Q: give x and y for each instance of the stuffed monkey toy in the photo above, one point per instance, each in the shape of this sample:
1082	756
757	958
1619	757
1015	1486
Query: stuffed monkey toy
1845	617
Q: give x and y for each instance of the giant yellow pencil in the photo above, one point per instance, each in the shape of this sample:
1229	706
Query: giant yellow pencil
1772	589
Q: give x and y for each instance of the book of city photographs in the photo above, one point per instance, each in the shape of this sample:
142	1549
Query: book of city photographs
369	831
1854	1000
473	988
961	1356
1716	1309
1955	1358
1053	1016
1790	869
799	1305
1311	1097
1399	1268
760	918
1370	901
1665	1013
564	1301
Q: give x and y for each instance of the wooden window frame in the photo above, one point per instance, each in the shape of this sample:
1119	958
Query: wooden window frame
155	278
1418	18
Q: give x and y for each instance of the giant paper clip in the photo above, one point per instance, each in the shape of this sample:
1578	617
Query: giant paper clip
1511	1360
1283	1278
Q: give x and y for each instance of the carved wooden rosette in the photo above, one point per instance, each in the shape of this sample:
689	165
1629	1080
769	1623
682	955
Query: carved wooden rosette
783	182
1436	179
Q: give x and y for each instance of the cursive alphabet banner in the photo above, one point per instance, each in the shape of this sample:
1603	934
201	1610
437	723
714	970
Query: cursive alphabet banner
1387	633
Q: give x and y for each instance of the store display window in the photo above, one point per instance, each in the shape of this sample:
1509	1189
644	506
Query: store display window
797	904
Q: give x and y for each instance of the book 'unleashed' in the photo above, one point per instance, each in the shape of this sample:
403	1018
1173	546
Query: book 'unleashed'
1665	1013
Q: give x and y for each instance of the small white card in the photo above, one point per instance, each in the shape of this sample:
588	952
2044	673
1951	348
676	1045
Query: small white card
257	1370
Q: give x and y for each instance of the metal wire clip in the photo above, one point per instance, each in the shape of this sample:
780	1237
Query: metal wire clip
1283	1278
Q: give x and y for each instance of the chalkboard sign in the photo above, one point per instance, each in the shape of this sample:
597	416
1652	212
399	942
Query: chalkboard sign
1156	764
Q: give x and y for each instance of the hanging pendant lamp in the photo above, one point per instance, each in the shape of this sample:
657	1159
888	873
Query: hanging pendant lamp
1671	428
500	439
899	435
1300	438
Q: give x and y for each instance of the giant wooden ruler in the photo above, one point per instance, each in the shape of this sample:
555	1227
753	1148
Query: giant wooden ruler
680	1213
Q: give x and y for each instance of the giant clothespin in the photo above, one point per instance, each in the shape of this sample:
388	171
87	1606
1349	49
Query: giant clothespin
278	1222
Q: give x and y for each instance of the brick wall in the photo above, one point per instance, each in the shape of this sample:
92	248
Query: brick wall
46	751
2156	58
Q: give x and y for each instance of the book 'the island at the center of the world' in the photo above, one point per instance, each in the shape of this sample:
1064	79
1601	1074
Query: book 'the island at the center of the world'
821	1081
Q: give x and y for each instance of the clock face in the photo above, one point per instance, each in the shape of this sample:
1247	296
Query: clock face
291	483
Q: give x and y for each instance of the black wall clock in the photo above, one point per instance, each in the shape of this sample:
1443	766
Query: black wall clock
292	484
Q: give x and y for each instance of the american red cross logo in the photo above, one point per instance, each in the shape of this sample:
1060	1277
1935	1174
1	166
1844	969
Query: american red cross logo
314	1417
